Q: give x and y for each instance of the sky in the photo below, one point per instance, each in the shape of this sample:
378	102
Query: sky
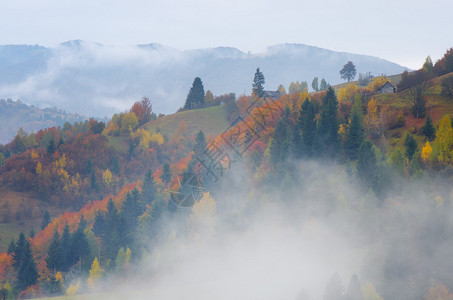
402	31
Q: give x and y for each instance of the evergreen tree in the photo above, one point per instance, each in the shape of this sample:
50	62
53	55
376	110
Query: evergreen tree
111	239
366	164
428	129
354	136
166	175
334	288
51	147
258	84
195	97
148	188
281	139
27	274
66	241
354	291
323	85
308	128
54	258
129	213
45	220
88	166
31	234
80	248
18	253
200	145
314	84
99	223
11	247
327	131
411	145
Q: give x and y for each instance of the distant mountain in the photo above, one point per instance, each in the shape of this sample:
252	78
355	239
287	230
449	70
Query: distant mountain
98	80
16	114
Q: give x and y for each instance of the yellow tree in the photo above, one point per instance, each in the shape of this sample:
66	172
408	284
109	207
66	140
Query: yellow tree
426	151
107	177
443	144
369	292
371	121
377	83
128	123
203	220
346	94
95	274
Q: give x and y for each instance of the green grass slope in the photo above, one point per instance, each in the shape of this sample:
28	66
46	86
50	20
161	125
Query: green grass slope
211	120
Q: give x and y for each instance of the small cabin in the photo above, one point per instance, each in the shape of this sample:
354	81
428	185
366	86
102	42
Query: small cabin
274	95
387	88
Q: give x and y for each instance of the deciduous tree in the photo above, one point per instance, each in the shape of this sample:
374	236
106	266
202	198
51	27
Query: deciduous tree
348	71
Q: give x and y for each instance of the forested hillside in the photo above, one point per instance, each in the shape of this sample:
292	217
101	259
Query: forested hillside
348	191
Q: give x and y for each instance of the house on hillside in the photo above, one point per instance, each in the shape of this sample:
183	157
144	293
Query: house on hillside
387	88
274	95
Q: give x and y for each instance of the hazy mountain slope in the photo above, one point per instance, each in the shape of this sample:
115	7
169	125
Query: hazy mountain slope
94	79
15	114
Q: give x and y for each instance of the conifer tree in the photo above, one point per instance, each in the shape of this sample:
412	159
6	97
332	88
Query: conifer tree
27	274
327	131
45	220
308	128
195	97
354	136
66	243
166	175
428	129
366	164
148	188
258	84
18	253
281	139
323	85
11	247
411	145
54	253
200	145
80	247
314	84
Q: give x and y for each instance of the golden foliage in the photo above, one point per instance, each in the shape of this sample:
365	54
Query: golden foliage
73	290
95	273
38	168
438	292
369	292
107	177
443	144
346	94
203	219
426	151
158	138
377	83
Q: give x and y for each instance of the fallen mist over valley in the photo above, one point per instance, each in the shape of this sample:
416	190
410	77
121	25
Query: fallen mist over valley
313	235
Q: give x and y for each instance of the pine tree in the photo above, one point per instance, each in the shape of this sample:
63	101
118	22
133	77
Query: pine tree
45	220
166	175
11	247
314	84
148	188
327	131
54	258
18	253
258	84
323	85
99	223
195	97
66	243
200	145
308	128
428	129
111	239
366	164
51	147
281	139
354	137
80	248
27	274
411	145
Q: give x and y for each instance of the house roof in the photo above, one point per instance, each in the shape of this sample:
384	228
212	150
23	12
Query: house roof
271	94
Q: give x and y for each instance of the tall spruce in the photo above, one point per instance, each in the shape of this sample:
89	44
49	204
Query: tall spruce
354	136
80	247
27	274
327	131
18	253
54	260
166	175
308	128
281	139
258	83
411	146
66	245
428	129
366	164
200	145
148	188
45	220
195	97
